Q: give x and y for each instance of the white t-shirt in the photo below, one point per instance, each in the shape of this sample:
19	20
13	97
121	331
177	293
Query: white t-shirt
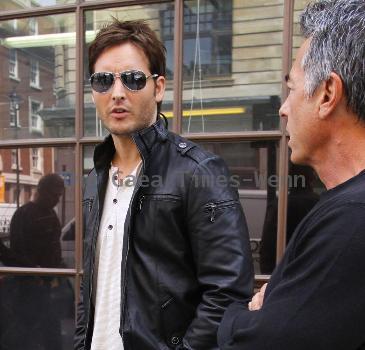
108	259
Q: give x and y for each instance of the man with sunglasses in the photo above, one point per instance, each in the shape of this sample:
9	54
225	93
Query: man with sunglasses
165	251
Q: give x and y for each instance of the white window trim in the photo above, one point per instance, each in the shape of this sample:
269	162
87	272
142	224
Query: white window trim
34	21
38	168
39	127
13	163
35	84
14	74
12	123
15	24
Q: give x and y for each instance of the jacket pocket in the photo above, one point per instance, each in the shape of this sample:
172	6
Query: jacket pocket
157	197
175	320
213	209
87	206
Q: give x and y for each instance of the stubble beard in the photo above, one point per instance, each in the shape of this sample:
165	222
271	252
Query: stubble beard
128	131
139	122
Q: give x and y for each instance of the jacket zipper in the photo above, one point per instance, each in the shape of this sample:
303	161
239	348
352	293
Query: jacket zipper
141	202
138	185
213	207
96	229
89	202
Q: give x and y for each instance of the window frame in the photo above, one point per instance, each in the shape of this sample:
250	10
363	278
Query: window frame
80	141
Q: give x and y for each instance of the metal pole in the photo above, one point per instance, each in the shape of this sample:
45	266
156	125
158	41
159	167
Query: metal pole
14	100
17	177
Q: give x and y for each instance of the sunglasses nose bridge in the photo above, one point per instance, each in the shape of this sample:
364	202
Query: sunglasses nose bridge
118	88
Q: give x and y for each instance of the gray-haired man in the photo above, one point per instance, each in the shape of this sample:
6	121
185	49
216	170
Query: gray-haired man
315	298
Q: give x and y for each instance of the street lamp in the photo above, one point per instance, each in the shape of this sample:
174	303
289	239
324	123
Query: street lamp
15	100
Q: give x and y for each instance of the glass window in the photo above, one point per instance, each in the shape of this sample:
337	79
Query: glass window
14	5
36	161
232	65
298	39
14	116
15	159
304	189
253	166
15	24
13	64
37	207
41	56
88	159
36	312
33	26
153	15
34	73
36	121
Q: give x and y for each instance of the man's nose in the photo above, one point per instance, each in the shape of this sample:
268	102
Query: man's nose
118	90
282	110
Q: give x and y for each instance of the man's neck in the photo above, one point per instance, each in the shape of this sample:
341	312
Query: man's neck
126	157
344	158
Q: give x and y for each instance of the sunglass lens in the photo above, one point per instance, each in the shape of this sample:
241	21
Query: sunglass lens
102	82
134	80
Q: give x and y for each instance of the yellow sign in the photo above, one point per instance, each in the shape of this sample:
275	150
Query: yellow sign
205	112
2	189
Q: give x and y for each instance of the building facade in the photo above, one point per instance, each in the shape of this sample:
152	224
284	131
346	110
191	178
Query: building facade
225	66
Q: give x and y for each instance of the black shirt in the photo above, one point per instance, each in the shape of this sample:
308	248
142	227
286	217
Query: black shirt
316	296
35	236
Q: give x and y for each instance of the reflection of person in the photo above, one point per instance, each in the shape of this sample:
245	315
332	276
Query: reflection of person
315	297
35	228
301	199
31	319
180	250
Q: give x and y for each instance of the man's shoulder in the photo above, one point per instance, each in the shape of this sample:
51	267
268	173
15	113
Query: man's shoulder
348	194
29	206
190	149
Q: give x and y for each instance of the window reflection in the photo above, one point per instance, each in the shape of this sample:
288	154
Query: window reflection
14	5
37	227
36	312
298	39
304	190
215	37
88	163
38	89
253	167
232	65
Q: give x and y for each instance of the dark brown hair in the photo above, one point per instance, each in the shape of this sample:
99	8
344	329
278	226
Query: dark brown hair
136	32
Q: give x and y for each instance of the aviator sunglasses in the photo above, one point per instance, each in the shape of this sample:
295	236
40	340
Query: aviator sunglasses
133	80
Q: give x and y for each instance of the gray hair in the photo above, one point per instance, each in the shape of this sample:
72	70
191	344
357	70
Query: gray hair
337	32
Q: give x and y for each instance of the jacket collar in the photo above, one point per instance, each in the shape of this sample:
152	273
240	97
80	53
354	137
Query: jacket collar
145	139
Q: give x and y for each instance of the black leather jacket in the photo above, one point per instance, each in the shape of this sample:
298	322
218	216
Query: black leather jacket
186	253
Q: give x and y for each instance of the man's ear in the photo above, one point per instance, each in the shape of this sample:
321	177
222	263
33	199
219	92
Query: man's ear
160	84
332	95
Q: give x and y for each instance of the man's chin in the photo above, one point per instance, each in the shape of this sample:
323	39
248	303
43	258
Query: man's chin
297	160
126	131
118	131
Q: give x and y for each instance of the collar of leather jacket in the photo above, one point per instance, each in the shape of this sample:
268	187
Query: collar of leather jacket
145	139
